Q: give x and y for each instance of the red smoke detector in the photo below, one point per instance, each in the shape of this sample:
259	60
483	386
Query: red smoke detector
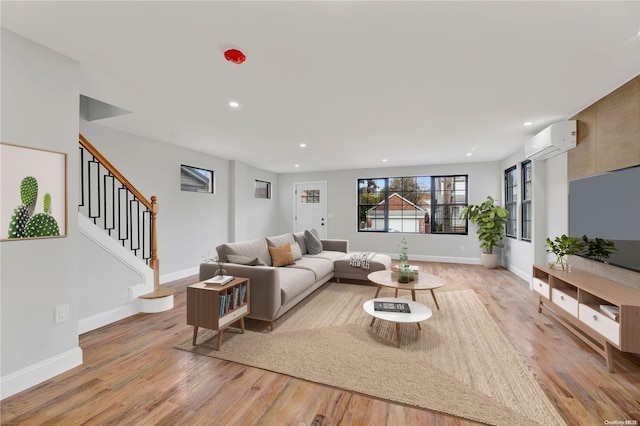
235	56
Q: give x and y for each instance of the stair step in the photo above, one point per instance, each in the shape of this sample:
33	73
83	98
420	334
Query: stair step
159	293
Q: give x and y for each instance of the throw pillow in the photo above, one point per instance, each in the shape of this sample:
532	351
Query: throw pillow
296	251
281	256
313	243
244	260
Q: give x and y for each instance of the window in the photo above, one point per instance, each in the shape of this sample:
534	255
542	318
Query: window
310	196
262	189
526	207
511	200
405	204
193	179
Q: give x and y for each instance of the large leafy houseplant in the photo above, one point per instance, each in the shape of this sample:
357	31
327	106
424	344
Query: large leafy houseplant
491	220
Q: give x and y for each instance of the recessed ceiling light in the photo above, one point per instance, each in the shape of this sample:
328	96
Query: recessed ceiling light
234	104
384	160
528	123
297	165
469	154
303	145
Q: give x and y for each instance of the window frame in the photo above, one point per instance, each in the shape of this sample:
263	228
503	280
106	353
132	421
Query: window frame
382	192
526	207
262	189
511	201
207	174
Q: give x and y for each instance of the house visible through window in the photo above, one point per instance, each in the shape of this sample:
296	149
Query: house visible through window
406	204
194	179
511	200
527	218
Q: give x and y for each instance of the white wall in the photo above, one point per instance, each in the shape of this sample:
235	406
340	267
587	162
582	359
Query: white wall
253	217
40	101
517	253
104	279
550	203
484	179
189	224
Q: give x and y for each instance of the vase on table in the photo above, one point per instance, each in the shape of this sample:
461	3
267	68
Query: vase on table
405	274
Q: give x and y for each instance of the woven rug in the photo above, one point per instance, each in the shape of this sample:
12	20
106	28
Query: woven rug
460	363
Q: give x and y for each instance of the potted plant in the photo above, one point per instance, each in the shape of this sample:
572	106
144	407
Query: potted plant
490	220
405	274
561	247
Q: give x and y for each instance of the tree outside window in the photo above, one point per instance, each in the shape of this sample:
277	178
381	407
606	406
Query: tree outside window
405	204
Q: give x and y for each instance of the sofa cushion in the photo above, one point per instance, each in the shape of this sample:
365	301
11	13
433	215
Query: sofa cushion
294	281
328	254
280	240
281	256
244	260
296	251
321	267
299	237
251	248
313	243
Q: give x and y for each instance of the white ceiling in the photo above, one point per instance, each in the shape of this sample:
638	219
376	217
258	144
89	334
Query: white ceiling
415	83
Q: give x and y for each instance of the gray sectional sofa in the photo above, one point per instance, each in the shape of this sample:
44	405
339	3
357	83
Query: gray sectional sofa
277	289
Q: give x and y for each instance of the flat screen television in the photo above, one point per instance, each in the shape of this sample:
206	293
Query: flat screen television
607	206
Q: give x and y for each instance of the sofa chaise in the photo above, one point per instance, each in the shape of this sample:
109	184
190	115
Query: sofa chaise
284	269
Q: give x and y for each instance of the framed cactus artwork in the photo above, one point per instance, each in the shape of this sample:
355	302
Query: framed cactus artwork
33	193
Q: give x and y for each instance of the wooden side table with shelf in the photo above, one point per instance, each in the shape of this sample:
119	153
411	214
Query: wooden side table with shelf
216	307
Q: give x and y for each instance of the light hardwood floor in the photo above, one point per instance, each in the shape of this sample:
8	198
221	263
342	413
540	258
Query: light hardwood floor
132	374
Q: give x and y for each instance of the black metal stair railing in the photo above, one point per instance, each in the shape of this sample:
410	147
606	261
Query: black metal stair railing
114	205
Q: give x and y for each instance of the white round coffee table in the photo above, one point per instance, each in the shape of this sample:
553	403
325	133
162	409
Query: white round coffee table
419	312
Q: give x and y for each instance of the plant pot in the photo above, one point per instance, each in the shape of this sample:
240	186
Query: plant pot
405	275
489	261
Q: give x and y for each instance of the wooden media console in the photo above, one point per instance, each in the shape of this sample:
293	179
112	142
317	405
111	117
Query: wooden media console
575	298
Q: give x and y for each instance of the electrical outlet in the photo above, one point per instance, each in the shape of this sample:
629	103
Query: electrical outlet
60	314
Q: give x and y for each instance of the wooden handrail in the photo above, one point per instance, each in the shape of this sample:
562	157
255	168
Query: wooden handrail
152	205
107	165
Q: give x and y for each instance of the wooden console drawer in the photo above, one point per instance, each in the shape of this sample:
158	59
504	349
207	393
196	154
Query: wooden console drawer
600	323
564	301
541	287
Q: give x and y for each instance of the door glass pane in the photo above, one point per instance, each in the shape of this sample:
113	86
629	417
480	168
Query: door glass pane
310	196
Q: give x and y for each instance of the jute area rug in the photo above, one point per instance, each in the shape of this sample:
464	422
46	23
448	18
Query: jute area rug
460	363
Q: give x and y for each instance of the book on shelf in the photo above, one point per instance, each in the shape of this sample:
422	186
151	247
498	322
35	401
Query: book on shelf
236	294
219	279
611	311
222	299
392	307
243	292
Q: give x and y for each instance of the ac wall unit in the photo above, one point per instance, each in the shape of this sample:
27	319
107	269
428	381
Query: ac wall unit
553	140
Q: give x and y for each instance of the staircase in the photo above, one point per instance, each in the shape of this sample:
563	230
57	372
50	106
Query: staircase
114	205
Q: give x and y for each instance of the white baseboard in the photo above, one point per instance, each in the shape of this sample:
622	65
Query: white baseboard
165	278
443	259
105	318
522	274
30	376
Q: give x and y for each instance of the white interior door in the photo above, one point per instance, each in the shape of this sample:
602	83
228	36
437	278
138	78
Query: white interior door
310	207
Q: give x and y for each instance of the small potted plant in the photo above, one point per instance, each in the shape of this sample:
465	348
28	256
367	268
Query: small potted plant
561	247
490	220
405	274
